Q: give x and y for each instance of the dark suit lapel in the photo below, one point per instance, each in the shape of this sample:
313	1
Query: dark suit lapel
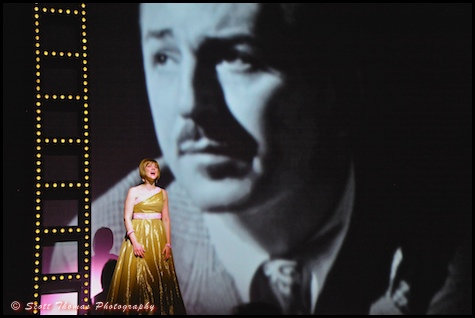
361	270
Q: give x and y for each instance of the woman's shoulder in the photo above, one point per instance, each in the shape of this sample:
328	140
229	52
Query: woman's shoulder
135	189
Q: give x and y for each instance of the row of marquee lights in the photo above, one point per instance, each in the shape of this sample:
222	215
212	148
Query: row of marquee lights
83	228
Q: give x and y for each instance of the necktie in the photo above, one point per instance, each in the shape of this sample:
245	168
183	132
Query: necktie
279	284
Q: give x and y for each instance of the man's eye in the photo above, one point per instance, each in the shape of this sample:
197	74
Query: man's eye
160	58
241	62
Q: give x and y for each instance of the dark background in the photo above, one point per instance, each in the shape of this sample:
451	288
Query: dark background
416	77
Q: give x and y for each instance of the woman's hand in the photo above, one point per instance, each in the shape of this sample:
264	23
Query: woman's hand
167	251
139	250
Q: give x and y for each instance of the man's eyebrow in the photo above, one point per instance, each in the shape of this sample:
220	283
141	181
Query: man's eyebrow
159	34
224	39
234	39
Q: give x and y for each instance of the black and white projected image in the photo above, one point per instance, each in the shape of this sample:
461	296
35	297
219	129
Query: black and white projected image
317	157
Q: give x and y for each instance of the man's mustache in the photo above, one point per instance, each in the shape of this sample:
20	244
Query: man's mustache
230	142
192	138
190	132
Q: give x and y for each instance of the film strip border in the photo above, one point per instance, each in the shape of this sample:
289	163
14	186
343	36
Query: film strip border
62	213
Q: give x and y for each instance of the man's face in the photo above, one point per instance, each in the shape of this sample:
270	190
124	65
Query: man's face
212	91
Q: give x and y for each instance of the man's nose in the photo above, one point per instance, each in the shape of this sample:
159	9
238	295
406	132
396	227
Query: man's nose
199	88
